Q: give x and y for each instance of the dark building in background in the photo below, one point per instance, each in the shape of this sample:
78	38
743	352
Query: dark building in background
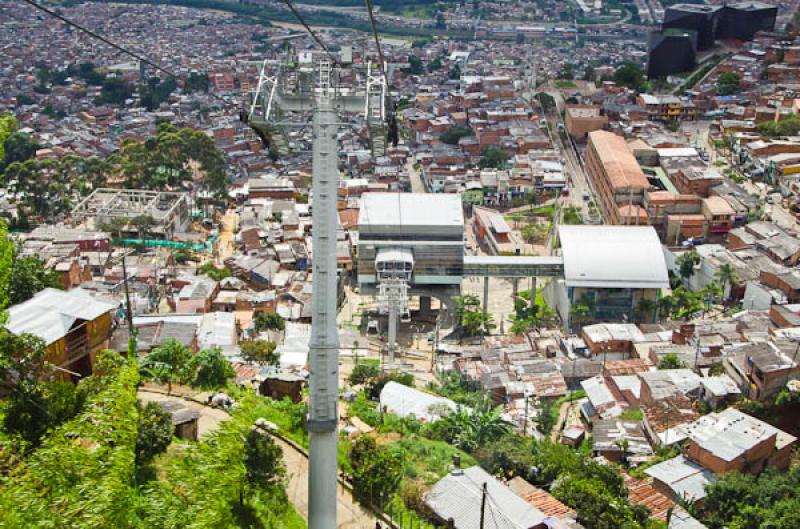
700	18
743	19
671	51
669	48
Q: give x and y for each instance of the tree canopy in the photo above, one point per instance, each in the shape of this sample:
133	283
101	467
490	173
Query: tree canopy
728	83
453	134
630	75
493	158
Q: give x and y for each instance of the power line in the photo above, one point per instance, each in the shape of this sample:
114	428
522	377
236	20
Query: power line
99	37
310	31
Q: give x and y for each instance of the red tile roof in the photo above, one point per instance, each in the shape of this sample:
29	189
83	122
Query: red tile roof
641	493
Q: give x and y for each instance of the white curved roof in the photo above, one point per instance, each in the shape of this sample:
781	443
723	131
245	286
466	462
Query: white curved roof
613	257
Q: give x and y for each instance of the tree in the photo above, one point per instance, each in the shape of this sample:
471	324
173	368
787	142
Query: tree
363	374
210	269
727	276
154	432
434	65
18	147
374	386
377	470
196	82
29	276
671	361
630	75
8	126
6	262
454	73
143	225
788	126
114	91
263	460
211	369
687	261
493	157
414	65
546	101
269	320
168	364
473	320
728	83
453	134
566	72
744	501
471	429
261	352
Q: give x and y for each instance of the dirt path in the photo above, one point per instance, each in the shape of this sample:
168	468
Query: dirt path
350	515
226	235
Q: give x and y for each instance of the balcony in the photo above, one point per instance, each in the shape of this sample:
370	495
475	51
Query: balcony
76	346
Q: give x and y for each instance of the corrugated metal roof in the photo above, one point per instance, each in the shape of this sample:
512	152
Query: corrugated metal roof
458	496
51	313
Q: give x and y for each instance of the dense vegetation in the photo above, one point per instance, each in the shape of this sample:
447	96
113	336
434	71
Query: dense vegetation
50	188
263	14
743	501
424	452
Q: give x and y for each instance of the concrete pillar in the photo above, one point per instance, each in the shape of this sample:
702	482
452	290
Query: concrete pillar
424	305
514	287
392	342
533	291
485	295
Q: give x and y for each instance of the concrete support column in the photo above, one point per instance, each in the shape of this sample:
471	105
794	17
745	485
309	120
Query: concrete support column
424	305
392	342
485	295
533	291
514	287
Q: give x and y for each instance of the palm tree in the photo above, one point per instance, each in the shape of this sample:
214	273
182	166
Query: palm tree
727	276
477	428
686	263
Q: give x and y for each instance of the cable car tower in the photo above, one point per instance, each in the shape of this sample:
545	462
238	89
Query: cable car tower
286	89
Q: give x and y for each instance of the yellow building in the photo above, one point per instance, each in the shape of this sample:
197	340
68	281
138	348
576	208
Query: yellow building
73	325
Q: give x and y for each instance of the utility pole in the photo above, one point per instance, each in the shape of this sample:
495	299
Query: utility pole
525	422
484	492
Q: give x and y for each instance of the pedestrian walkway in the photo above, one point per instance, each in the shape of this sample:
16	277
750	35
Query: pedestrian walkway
349	513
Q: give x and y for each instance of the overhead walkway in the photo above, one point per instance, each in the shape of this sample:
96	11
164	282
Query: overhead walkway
513	266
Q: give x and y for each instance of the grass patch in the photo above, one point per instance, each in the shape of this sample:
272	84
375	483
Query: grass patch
631	414
565	83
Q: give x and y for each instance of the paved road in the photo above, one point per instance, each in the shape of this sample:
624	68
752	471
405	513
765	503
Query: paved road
417	186
350	514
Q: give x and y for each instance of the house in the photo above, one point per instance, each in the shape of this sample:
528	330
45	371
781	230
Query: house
761	369
73	325
196	295
730	440
617	439
456	500
184	419
540	499
681	479
282	385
